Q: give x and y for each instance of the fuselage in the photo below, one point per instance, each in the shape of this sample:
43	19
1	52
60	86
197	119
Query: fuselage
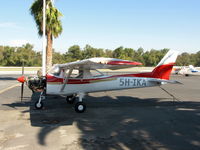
96	84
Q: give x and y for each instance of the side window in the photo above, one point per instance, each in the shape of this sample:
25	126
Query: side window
76	73
79	73
96	73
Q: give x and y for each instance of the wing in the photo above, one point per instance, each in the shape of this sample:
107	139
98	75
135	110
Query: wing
100	63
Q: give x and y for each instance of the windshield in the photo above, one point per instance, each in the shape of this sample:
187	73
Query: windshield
55	70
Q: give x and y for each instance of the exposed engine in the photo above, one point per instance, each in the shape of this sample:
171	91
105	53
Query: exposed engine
37	84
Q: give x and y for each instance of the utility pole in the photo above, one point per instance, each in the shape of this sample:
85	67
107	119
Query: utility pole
44	40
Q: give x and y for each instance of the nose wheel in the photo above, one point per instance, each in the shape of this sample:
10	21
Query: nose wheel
39	104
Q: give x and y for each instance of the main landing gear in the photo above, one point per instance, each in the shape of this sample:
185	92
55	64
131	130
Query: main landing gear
79	107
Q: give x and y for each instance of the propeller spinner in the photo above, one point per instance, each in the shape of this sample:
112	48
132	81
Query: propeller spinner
21	79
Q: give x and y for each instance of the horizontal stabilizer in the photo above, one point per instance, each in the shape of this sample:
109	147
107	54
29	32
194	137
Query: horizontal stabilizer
165	81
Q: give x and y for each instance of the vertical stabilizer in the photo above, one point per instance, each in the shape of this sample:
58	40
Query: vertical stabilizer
191	67
164	67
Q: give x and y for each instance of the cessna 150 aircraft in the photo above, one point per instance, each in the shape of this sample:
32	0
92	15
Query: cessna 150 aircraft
81	77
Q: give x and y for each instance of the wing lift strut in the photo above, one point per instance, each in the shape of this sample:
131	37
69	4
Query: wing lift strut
66	79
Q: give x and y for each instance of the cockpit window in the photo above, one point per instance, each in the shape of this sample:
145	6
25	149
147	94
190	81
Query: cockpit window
76	73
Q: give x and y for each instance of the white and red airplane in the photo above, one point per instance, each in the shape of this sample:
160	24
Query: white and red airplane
81	77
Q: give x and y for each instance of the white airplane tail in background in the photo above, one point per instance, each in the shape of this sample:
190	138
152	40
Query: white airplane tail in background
192	69
164	67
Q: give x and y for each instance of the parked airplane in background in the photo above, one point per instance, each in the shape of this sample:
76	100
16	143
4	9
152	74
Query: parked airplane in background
176	69
187	71
78	78
193	69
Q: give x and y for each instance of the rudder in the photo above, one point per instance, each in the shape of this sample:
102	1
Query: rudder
164	67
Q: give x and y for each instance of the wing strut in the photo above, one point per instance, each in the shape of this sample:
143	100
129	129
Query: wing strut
66	79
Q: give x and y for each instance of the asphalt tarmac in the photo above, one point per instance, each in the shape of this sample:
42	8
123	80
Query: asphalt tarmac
134	119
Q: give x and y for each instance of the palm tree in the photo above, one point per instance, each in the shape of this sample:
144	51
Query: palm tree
53	25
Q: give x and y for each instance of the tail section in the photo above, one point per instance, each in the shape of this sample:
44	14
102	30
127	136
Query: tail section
164	67
192	69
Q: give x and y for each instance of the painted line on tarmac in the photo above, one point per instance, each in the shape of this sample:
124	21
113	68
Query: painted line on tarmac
4	90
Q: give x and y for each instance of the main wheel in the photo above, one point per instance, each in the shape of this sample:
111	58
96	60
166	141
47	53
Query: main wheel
39	105
70	99
80	107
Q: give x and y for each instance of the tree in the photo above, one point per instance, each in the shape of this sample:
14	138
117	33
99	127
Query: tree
9	56
139	55
119	53
196	57
129	53
88	52
1	55
108	53
58	58
74	53
53	24
183	59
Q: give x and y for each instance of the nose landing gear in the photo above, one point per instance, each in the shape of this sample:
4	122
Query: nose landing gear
39	104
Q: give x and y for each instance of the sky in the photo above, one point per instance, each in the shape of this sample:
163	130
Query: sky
108	24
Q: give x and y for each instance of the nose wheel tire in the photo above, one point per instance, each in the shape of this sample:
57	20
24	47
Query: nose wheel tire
39	105
80	107
70	99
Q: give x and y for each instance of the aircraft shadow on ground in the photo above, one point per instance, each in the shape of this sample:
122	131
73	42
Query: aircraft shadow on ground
124	122
121	123
8	78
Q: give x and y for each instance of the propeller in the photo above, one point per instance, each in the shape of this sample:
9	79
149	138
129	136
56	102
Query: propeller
22	91
22	79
